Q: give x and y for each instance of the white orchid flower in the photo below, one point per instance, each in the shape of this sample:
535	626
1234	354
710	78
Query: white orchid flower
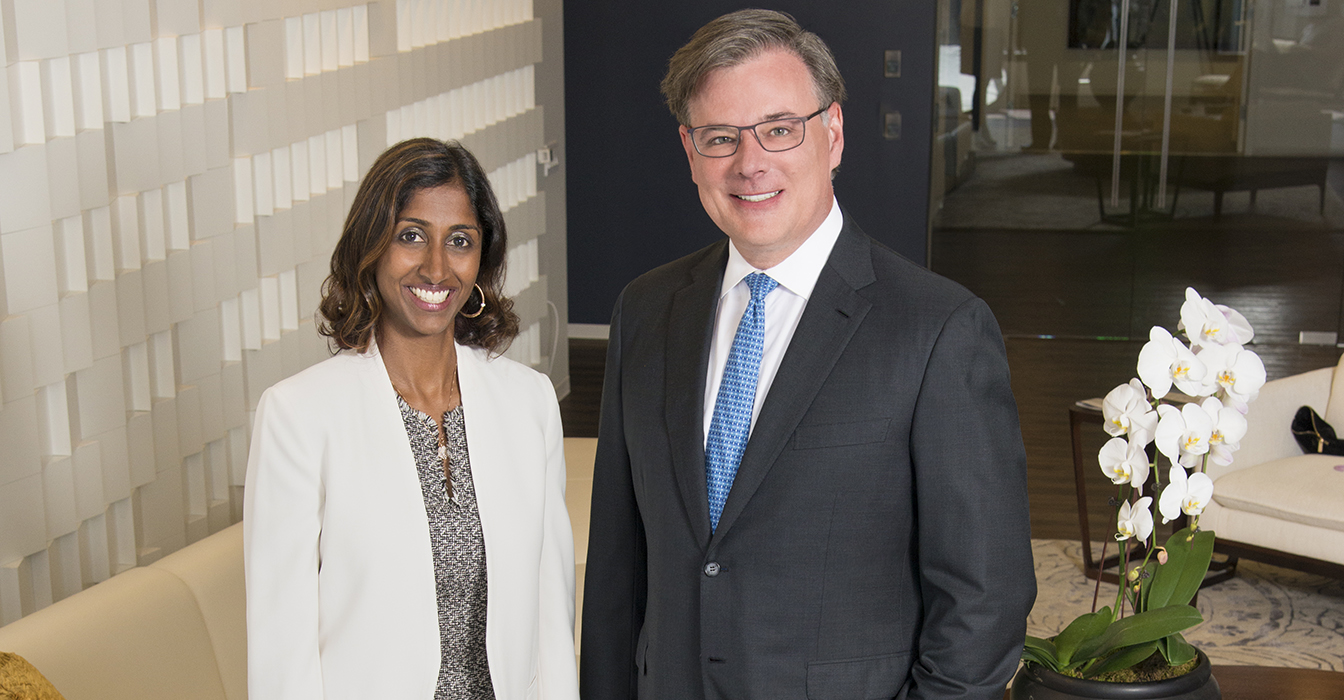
1184	494
1207	324
1165	360
1183	435
1134	521
1124	462
1126	411
1229	427
1234	373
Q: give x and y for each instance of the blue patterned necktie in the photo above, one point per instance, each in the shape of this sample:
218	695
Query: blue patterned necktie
731	424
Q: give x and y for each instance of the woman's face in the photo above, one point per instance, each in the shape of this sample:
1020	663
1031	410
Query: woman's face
428	271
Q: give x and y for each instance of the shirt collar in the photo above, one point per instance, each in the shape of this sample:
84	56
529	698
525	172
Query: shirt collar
797	273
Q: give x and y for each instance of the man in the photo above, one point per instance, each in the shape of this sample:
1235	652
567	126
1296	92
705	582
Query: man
870	538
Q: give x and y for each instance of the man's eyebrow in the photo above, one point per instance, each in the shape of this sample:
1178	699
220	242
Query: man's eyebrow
779	115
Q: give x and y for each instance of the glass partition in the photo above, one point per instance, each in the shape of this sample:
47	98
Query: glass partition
1092	158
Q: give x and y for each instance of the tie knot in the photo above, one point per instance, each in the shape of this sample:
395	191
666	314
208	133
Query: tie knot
760	284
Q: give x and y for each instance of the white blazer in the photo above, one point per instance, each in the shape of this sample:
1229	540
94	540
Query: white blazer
341	599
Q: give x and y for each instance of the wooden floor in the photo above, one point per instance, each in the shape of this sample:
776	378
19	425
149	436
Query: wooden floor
1075	307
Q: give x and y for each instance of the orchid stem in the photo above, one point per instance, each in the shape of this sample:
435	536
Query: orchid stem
1101	565
1125	491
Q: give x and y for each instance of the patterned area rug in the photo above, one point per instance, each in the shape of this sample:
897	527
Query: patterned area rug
1266	616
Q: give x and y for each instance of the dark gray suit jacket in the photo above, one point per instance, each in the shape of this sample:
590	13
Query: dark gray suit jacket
875	543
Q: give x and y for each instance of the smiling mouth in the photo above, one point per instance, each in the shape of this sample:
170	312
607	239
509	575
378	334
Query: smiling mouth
430	297
757	197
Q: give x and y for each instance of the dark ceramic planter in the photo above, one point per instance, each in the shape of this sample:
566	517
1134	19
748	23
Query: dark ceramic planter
1033	682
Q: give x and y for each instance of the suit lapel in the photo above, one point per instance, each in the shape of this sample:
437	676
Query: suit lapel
690	325
833	313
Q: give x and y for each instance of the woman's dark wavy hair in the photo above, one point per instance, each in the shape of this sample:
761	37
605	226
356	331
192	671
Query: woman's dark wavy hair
351	305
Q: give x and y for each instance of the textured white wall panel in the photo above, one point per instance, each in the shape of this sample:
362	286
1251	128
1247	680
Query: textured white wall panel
182	173
108	14
105	331
98	244
18	428
154	286
163	384
153	243
90	496
189	440
53	420
58	494
141	73
140	448
177	216
134	153
63	177
6	121
44	334
213	429
215	76
167	78
194	139
131	308
58	98
167	453
76	332
91	164
266	59
135	369
87	90
235	60
99	403
23	522
181	289
192	68
94	558
168	128
116	84
34	29
135	18
67	575
29	259
24	201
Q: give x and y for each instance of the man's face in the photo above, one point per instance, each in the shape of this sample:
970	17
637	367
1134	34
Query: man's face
768	203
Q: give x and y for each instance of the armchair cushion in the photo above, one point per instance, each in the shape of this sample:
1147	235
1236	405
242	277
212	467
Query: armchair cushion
1305	489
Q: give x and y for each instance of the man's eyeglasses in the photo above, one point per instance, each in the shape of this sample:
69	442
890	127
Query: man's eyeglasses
774	135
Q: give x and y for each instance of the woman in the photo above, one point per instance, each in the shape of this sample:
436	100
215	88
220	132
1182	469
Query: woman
409	490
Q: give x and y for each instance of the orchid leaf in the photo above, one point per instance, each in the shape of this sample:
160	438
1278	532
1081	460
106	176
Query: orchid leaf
1146	586
1176	650
1040	651
1188	557
1141	628
1123	658
1087	627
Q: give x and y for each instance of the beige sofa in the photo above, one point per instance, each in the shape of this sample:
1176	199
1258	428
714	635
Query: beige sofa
1273	503
174	629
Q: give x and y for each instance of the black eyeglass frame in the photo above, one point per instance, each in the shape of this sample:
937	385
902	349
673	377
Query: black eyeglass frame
752	128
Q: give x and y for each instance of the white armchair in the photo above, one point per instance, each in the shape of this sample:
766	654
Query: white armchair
1273	503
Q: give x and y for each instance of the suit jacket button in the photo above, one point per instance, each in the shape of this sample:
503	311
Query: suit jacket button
712	569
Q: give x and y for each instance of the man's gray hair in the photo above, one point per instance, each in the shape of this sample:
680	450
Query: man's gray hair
737	37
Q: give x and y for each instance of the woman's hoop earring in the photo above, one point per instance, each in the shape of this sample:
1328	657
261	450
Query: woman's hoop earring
480	310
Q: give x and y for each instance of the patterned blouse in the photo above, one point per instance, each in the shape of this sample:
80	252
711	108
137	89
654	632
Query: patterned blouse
459	554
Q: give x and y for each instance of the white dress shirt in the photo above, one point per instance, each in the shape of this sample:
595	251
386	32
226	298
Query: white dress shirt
796	275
